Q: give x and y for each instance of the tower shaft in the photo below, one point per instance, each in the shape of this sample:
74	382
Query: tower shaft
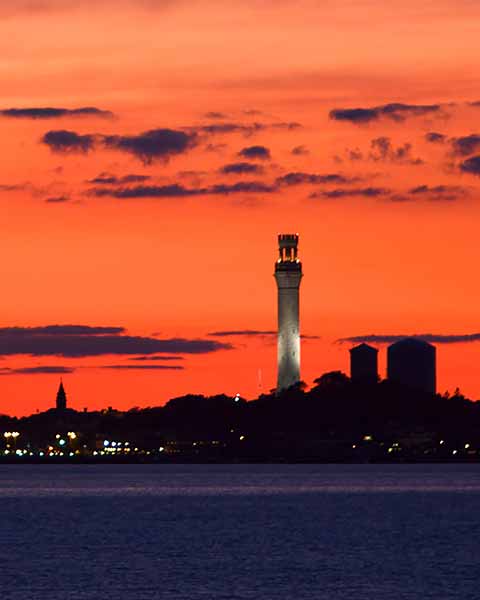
288	275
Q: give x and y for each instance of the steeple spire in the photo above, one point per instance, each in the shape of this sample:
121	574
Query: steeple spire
61	397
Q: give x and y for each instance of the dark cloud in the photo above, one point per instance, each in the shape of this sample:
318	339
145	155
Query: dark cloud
54	113
176	190
432	338
60	330
79	341
68	141
143	367
368	192
57	199
156	144
382	149
471	165
439	192
248	187
355	115
394	111
300	151
241	168
222	128
244	128
107	179
435	137
242	332
254	333
151	358
46	370
299	178
468	144
255	153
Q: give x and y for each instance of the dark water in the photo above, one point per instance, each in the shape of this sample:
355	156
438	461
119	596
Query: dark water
240	532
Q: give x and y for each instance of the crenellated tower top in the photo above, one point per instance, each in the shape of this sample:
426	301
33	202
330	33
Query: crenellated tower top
288	253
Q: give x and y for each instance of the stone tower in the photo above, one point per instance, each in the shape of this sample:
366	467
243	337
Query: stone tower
288	274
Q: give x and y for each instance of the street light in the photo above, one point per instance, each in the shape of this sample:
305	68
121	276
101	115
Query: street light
11	434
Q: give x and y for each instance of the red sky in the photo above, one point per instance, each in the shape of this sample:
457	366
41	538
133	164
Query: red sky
389	245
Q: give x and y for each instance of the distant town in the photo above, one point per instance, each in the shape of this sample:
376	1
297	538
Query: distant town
342	418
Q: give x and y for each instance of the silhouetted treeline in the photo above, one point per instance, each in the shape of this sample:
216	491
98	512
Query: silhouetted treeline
334	420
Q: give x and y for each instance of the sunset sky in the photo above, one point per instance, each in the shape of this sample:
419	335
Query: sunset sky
152	150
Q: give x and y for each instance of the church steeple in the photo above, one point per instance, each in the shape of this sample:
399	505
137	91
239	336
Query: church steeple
61	397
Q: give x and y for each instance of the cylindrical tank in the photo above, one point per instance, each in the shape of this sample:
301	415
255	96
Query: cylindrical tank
412	362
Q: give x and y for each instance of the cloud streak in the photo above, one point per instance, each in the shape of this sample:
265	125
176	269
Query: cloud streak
241	168
433	338
394	111
142	367
300	178
368	192
176	190
246	129
253	333
107	179
54	113
152	358
76	341
43	370
242	332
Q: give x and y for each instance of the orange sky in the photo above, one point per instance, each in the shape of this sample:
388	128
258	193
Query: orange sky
389	261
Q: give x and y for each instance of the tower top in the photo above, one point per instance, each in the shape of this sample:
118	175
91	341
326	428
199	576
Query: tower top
288	252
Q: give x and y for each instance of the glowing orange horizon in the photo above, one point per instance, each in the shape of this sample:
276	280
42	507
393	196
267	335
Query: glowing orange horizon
387	261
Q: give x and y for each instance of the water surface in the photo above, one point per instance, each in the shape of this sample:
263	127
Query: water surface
335	532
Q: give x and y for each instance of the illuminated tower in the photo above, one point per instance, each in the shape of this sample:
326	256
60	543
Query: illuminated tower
288	274
61	397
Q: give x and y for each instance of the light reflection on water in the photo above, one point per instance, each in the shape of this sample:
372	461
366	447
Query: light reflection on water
260	532
161	480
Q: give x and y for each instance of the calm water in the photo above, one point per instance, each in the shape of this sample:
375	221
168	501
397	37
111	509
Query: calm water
240	532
